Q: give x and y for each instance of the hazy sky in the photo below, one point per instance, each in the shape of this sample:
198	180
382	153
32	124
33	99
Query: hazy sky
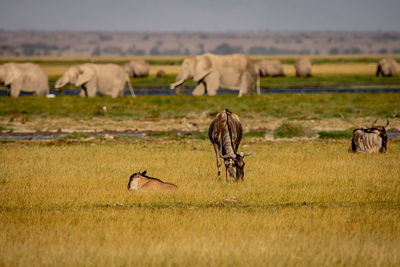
200	15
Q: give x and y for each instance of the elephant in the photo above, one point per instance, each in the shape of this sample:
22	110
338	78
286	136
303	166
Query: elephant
387	67
137	69
234	72
303	67
108	79
160	74
24	77
270	68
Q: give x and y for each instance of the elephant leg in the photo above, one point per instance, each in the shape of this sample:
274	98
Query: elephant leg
82	93
118	89
212	84
200	89
91	90
42	92
15	90
116	92
246	85
216	149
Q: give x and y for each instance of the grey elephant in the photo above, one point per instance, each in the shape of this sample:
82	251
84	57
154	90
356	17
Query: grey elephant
387	67
270	68
303	67
24	77
160	74
137	69
234	72
107	79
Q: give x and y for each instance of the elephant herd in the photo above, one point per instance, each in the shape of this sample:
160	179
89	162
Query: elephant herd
211	72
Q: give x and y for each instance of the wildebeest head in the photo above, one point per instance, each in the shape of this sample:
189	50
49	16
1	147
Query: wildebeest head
132	185
234	164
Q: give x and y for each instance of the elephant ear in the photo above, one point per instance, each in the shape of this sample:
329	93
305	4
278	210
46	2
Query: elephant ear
73	73
12	74
85	74
203	67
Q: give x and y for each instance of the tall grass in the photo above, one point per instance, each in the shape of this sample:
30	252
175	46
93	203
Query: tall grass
292	106
305	203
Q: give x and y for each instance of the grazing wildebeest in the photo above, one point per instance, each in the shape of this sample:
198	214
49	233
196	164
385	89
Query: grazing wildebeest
369	140
140	181
225	134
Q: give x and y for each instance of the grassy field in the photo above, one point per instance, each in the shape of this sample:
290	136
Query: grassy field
305	203
328	79
293	106
302	203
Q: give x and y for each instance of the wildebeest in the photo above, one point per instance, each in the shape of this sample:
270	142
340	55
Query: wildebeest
369	140
225	134
140	181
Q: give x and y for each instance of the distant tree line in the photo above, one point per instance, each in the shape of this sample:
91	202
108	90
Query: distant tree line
43	49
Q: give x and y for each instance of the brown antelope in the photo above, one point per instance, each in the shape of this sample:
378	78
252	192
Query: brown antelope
369	140
225	134
139	181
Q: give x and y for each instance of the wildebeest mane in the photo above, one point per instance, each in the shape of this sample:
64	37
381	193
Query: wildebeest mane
228	113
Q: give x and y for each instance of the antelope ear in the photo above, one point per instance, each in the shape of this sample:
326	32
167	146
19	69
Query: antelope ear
144	172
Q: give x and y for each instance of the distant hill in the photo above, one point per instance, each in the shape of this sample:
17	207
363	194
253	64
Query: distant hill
67	43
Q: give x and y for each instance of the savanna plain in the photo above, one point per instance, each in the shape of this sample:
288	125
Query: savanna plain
304	201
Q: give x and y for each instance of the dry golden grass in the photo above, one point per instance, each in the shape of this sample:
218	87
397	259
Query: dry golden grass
302	203
322	69
337	69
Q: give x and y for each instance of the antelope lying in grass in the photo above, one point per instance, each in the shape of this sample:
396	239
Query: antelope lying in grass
140	181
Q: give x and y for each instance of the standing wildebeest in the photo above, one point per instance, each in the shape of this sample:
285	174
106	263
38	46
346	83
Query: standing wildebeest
139	181
225	134
368	140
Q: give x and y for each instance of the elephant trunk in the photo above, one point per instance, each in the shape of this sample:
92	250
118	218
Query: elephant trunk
178	84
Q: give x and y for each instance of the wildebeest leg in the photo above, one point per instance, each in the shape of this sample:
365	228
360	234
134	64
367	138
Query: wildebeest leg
216	149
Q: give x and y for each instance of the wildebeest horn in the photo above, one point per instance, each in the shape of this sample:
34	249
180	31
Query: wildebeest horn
227	156
373	124
242	154
387	123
